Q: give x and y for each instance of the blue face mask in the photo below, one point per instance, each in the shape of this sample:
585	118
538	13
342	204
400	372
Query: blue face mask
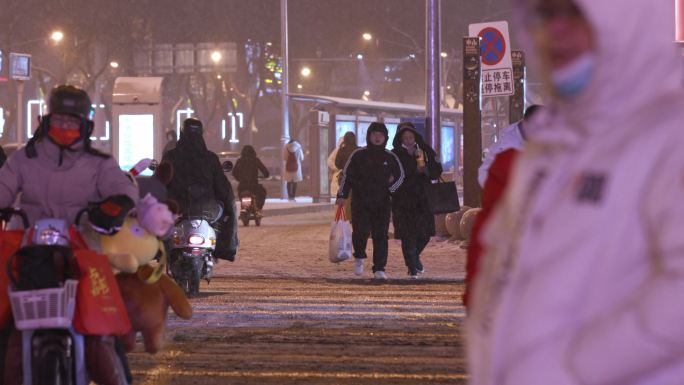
571	80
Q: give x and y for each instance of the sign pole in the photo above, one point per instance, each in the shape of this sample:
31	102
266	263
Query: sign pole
433	85
20	111
285	138
517	100
472	121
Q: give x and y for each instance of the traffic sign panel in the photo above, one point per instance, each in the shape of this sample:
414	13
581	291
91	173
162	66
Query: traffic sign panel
493	46
495	56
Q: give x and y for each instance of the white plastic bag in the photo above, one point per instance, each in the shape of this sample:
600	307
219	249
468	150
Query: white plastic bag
340	247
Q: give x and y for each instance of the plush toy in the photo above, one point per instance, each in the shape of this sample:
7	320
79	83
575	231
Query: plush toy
133	246
148	304
136	244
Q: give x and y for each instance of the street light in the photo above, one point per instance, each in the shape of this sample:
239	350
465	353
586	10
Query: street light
216	57
57	36
359	56
367	36
444	54
306	72
114	64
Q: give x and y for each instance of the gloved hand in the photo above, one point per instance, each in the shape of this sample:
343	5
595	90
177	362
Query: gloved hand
107	216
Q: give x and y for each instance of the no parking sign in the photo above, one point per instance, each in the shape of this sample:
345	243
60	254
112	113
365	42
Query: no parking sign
495	55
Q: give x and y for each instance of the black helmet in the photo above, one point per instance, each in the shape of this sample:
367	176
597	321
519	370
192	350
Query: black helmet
70	100
192	126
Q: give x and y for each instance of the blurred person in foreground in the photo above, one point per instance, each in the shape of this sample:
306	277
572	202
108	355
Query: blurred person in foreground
497	169
584	267
414	223
511	137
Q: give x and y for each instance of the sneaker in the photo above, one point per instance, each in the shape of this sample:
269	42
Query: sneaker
380	275
421	271
414	276
358	266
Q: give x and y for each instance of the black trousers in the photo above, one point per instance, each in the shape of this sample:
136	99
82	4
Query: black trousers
291	190
371	221
412	248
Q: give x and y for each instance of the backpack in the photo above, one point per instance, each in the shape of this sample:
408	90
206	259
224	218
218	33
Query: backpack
291	164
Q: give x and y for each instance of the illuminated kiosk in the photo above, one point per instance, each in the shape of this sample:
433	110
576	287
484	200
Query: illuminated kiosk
137	131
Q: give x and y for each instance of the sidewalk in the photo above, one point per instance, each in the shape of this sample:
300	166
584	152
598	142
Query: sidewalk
302	205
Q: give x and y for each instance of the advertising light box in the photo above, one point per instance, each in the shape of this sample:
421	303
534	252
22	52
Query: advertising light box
136	140
341	128
447	149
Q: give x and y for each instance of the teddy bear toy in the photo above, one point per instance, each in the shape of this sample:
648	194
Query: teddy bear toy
148	303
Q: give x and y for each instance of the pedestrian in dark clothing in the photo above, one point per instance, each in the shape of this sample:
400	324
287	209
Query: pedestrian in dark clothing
413	221
198	183
246	172
373	174
348	146
3	156
171	141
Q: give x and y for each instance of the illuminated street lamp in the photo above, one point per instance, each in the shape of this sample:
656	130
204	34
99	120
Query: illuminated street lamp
359	56
306	72
444	54
366	93
299	86
57	36
216	57
367	36
114	64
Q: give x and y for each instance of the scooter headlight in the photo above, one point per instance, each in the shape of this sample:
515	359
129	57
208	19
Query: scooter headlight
196	239
50	237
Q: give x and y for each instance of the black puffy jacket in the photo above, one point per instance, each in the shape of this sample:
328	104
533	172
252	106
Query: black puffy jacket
373	173
197	174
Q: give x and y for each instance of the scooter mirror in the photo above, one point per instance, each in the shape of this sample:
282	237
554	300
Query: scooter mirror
227	166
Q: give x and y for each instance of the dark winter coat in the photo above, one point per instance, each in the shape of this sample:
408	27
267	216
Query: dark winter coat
411	214
197	173
246	170
197	178
373	173
347	147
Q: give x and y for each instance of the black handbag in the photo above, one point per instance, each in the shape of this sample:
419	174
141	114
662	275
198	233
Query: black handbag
442	197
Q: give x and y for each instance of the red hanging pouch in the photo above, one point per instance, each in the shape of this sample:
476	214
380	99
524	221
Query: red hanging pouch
10	242
100	310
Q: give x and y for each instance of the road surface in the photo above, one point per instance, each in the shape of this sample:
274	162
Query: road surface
282	314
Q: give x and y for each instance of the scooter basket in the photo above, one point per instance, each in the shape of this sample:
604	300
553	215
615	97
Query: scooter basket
44	308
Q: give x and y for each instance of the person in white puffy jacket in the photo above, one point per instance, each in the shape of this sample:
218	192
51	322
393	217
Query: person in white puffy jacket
511	136
583	276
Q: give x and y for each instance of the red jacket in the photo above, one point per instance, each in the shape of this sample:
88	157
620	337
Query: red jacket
497	180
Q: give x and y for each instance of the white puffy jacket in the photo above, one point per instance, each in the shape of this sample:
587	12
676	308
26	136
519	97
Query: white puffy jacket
510	136
583	278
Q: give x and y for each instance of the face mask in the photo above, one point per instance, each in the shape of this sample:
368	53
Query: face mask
64	136
410	148
571	80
